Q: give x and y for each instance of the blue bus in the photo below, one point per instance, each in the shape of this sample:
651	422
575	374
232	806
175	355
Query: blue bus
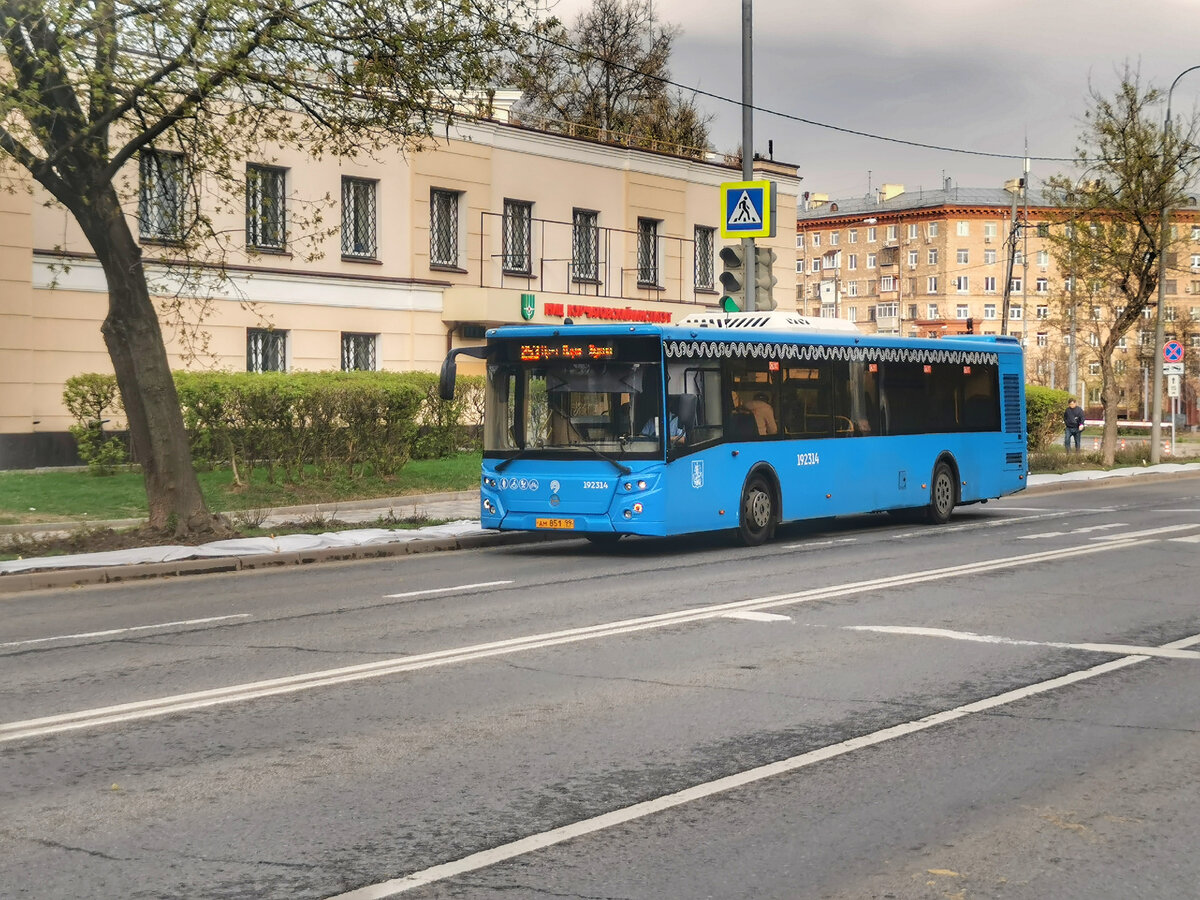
740	421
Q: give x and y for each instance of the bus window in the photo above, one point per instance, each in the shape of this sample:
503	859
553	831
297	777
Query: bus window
855	399
705	384
754	411
807	400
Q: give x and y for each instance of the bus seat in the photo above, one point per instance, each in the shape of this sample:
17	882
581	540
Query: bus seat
686	407
742	425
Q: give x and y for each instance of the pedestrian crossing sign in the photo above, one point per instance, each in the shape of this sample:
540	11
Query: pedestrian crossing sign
748	209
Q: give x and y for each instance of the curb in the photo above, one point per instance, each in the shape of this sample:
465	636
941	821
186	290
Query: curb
67	578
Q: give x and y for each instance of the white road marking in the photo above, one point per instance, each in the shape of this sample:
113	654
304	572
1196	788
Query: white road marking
534	842
1149	532
1086	530
752	616
239	693
1190	539
1044	534
1119	649
808	545
110	632
446	590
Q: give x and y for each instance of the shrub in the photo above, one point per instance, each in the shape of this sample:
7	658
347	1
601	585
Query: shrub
1043	412
92	400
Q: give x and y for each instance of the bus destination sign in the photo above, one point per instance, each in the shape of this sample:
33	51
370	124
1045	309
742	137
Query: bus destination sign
568	351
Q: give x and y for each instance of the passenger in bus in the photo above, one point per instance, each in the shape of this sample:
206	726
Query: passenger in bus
764	413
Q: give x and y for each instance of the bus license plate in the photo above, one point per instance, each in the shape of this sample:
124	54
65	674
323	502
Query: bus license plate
555	523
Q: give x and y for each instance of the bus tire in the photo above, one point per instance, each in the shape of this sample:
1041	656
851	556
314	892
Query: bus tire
603	538
942	495
756	519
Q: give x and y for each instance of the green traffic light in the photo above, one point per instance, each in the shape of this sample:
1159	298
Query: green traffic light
729	305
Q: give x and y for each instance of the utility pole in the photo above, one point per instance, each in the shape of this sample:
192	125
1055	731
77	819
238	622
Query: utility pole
748	136
1012	256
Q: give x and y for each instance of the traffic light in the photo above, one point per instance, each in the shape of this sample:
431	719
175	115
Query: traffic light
764	278
733	279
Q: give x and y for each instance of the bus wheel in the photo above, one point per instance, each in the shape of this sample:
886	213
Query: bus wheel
941	495
603	538
756	524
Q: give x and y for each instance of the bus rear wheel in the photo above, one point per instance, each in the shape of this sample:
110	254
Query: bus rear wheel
756	524
941	495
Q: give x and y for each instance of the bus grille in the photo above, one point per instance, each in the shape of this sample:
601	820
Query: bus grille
1012	404
1014	459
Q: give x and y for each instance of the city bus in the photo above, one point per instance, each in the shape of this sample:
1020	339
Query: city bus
740	422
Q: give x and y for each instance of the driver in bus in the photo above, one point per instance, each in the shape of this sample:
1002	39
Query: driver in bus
675	432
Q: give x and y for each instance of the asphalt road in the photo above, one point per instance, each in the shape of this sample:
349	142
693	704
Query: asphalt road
1002	707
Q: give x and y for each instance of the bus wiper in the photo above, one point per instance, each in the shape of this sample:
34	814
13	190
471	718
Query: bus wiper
505	463
524	451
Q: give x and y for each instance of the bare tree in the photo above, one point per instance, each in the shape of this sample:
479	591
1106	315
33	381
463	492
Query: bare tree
609	74
187	90
1107	235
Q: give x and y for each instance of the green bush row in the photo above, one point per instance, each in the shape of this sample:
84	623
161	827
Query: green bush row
1044	415
333	422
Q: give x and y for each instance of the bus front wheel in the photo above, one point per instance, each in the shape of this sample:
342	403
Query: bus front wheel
941	495
756	524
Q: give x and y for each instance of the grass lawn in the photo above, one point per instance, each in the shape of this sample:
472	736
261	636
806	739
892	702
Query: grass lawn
28	497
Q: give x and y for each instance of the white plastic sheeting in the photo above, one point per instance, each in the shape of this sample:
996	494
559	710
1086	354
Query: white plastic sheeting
285	543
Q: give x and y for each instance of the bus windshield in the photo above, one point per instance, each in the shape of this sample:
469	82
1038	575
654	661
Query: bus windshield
567	398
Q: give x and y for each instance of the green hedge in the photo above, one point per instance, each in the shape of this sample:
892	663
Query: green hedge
1044	409
93	400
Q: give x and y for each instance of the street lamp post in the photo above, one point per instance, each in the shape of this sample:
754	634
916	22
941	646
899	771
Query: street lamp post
1159	325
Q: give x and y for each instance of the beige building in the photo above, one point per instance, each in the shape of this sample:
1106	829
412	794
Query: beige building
495	224
932	263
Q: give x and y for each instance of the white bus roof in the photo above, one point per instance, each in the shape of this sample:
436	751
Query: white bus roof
775	319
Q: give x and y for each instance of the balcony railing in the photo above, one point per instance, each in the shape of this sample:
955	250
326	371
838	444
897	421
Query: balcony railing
615	263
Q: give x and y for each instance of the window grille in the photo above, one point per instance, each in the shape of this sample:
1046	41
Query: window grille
704	258
647	251
264	208
585	245
359	238
266	350
443	228
518	218
161	195
358	352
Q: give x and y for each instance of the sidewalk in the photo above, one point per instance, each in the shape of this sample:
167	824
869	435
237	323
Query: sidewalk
461	531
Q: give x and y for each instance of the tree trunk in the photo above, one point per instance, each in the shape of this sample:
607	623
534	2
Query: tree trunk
135	344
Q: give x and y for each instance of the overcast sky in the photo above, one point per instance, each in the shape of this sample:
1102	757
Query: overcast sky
954	73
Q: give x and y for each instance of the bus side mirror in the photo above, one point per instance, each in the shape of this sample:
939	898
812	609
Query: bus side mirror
450	369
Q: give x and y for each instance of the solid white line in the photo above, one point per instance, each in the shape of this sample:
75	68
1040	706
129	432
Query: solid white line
239	693
535	842
752	616
446	590
1190	539
110	632
1119	649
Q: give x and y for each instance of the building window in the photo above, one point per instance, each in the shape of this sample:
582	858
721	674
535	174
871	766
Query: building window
517	240
816	239
872	235
1016	312
961	311
816	264
1196	232
799	240
1119	367
1043	258
1170	285
585	248
851	288
931	287
1043	338
264	208
1043	312
989	231
1171	312
647	251
799	267
834	238
266	350
443	227
871	260
912	310
931	310
962	228
359	352
989	257
1042	285
887	283
359	237
161	195
989	310
962	284
891	233
913	257
852	235
854	314
989	284
963	256
852	261
704	257
1015	286
1093	368
914	231
933	256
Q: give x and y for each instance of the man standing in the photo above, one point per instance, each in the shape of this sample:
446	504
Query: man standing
1073	418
